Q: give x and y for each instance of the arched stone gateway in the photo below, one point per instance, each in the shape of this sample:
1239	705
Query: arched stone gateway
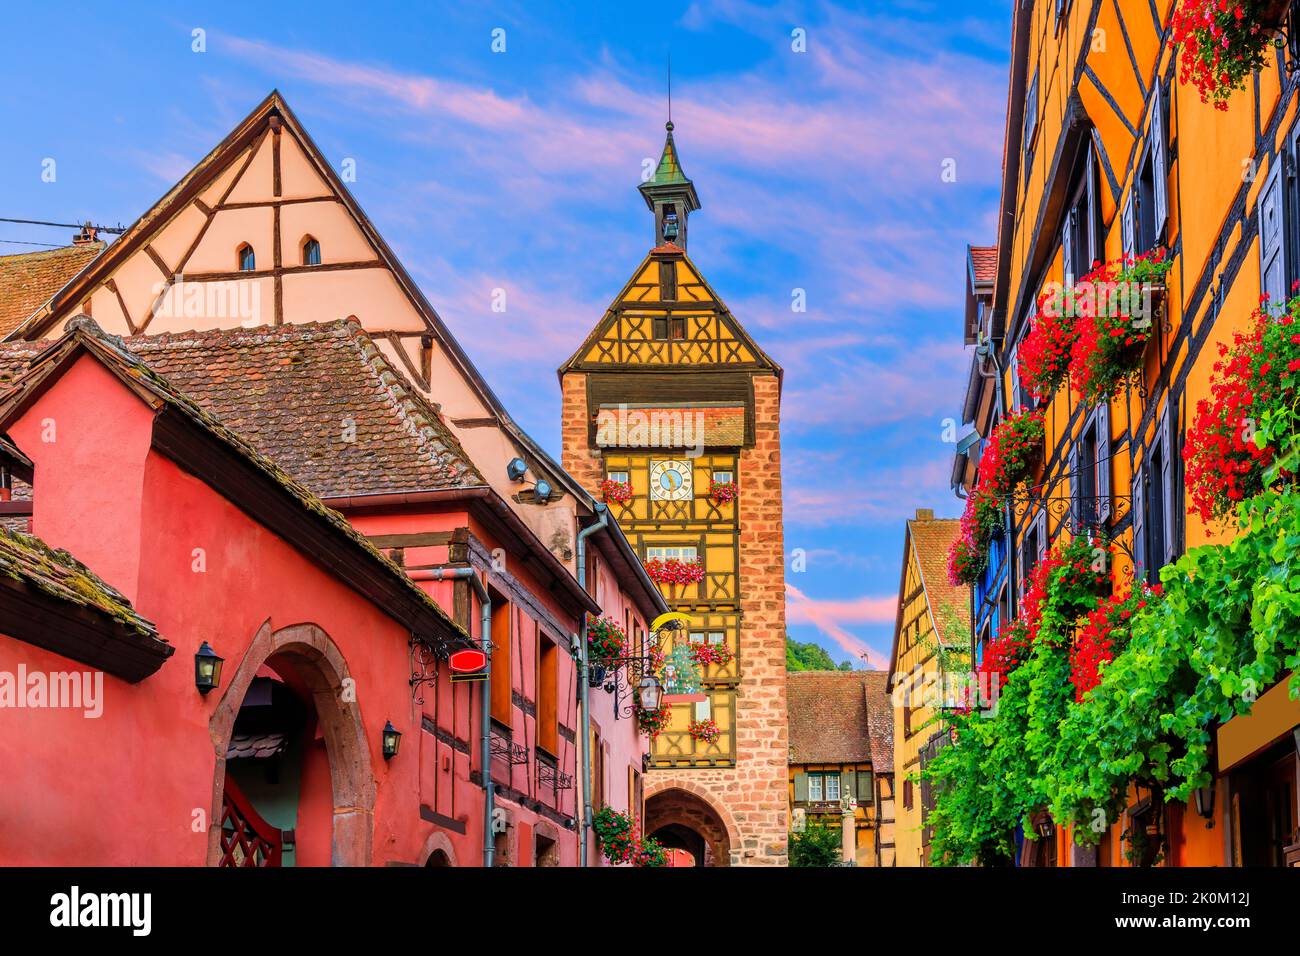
684	820
312	665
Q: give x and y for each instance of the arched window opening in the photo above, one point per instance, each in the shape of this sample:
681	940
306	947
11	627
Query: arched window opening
247	261
310	252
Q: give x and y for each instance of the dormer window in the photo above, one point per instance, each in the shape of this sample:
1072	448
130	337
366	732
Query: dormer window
310	252
247	261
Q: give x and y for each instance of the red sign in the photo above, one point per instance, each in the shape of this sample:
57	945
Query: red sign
467	661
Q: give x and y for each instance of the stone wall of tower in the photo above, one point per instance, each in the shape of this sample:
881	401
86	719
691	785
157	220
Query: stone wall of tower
751	798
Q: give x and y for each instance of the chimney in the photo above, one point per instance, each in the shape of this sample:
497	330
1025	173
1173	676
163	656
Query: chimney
924	514
86	236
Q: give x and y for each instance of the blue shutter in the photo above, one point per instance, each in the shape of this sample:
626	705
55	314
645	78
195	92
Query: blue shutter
1126	229
1103	463
1272	236
1166	479
1090	212
1076	504
1067	249
1139	526
1159	163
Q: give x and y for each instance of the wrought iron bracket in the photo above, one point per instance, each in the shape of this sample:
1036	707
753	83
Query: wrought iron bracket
504	749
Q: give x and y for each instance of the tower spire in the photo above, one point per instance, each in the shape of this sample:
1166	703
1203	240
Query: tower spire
669	193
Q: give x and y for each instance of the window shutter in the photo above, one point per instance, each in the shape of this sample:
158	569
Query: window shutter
1167	483
847	788
1159	164
1272	236
1014	398
1042	534
1072	468
1103	463
1091	212
1067	249
1139	524
800	787
1126	229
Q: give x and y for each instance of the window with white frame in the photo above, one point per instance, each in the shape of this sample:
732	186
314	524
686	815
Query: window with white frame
668	552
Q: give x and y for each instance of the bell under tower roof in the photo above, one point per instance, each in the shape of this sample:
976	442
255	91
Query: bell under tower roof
670	194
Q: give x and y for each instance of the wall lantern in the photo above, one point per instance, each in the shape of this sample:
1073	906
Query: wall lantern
392	740
1205	801
516	468
207	669
650	692
1045	828
542	492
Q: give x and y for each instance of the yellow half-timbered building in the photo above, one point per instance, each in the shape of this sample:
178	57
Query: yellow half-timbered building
671	401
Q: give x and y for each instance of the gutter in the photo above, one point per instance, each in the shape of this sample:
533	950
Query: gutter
485	727
584	690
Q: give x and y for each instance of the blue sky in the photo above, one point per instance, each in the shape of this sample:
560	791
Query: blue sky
818	170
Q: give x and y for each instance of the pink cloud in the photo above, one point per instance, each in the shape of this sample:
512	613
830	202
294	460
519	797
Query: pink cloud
829	617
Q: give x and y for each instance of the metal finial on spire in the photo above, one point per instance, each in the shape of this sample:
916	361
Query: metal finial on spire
669	125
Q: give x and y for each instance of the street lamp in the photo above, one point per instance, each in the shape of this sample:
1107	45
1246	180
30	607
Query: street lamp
650	692
392	738
207	669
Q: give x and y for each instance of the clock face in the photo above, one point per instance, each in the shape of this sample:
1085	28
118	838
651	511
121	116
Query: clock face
670	480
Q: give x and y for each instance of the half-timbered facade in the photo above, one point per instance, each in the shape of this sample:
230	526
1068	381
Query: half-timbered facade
931	648
1109	155
259	281
670	398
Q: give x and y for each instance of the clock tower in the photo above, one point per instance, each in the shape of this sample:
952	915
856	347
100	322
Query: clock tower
670	395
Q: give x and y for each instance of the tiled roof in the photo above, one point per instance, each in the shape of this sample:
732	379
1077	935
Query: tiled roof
671	426
320	401
949	605
669	169
880	720
827	716
113	352
29	279
984	262
57	573
255	745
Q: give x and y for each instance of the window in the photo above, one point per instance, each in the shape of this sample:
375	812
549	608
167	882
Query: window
704	709
1031	125
247	261
1155	537
666	553
823	786
1079	245
548	659
723	477
864	791
597	765
310	252
1147	209
669	327
832	786
1089	463
696	637
668	280
1273	269
618	476
502	704
1033	547
815	788
716	637
907	795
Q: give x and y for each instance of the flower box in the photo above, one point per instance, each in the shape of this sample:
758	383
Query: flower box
1223	43
616	492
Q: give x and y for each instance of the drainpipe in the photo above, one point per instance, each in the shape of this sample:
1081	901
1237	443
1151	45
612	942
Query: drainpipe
991	354
584	689
485	732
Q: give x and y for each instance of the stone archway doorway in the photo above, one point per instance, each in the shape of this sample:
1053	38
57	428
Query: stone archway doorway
331	794
686	821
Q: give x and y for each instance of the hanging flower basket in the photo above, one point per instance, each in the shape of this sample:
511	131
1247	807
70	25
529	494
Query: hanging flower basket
1014	450
705	731
652	722
1116	323
968	554
1044	354
1243	437
1223	42
616	492
606	642
706	653
675	571
722	492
